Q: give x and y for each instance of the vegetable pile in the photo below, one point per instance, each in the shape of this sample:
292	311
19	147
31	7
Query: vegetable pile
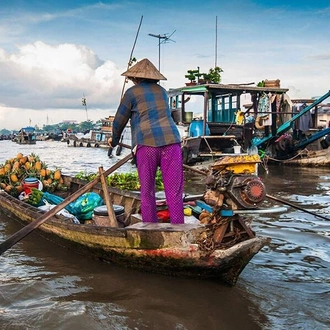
124	181
15	170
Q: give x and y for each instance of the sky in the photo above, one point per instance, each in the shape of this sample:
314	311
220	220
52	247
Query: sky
53	53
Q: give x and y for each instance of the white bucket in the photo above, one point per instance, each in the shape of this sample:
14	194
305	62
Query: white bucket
237	149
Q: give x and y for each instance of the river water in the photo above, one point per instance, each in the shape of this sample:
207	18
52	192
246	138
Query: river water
285	286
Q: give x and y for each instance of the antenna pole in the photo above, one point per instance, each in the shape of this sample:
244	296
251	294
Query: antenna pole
165	38
216	42
159	56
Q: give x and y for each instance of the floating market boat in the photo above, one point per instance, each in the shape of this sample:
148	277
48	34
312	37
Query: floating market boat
216	241
95	138
267	123
26	135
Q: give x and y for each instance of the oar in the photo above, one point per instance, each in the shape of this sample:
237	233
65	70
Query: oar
295	206
15	238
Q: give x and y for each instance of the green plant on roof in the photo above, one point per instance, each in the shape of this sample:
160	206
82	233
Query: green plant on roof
214	75
191	75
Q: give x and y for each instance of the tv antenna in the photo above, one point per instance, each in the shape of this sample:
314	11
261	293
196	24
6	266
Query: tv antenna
162	39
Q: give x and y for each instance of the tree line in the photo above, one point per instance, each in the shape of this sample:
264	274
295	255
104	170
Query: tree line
82	127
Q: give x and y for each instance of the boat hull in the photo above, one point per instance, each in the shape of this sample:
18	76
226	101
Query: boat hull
162	247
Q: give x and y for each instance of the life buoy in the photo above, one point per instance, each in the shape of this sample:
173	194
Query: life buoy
259	122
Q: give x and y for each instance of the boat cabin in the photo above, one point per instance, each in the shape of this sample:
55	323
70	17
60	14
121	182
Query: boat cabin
26	135
242	118
224	124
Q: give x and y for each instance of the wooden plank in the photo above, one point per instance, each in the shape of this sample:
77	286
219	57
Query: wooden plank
111	213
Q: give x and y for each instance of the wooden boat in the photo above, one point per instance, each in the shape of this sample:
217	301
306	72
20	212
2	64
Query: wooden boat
218	250
310	158
26	135
226	128
222	124
95	138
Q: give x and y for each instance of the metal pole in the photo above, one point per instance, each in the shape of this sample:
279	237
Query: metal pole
216	41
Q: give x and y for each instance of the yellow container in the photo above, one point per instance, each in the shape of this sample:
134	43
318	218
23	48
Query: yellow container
239	164
243	168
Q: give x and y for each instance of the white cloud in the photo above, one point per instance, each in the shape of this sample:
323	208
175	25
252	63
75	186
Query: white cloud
42	76
255	42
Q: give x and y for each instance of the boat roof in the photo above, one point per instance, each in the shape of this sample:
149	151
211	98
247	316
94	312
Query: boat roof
222	89
28	128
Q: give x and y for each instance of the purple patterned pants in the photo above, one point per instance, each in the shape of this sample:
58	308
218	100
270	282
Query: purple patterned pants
169	159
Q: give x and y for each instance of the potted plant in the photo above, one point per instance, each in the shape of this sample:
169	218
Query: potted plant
206	78
214	75
192	77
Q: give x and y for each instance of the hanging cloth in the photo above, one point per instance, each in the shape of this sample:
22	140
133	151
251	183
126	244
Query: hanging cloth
306	120
264	110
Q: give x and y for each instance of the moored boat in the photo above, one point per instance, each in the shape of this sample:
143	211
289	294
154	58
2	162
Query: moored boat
223	124
215	241
94	138
271	122
26	135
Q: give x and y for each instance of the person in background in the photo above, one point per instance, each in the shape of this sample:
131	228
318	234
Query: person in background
156	140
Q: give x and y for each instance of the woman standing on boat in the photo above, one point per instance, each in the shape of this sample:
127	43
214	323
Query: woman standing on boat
156	140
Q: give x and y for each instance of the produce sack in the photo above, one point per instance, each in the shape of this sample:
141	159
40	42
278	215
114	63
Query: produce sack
83	207
55	200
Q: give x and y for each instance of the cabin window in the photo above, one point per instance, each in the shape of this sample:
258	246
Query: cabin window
222	109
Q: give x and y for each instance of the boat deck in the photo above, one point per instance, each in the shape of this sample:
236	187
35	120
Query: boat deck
145	226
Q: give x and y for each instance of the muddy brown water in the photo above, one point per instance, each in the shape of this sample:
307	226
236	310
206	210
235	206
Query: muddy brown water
285	286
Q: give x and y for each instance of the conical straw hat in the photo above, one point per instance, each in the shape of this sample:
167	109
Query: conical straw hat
144	69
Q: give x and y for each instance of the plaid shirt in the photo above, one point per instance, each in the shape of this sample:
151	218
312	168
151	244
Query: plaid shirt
146	104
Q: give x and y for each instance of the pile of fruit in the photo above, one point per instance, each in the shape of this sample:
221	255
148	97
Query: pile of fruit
15	170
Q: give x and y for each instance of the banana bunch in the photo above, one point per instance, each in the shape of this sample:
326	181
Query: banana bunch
35	197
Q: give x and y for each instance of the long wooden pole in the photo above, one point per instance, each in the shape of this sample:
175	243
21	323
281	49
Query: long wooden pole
131	56
267	195
15	238
295	206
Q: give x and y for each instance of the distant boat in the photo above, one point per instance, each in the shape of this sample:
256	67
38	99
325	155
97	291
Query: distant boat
94	138
26	135
57	135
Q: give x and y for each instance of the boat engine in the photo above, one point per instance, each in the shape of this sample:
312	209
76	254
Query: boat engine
234	184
